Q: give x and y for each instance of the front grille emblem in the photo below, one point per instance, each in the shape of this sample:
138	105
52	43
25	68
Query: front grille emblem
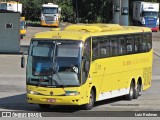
51	93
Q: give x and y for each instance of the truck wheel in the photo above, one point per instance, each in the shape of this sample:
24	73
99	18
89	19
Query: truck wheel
90	105
44	106
131	92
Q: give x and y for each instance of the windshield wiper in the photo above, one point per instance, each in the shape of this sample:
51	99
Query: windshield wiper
54	70
56	73
41	78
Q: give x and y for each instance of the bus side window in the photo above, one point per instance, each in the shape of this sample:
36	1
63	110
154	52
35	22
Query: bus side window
95	49
144	43
130	44
122	46
149	41
104	47
113	46
86	60
137	42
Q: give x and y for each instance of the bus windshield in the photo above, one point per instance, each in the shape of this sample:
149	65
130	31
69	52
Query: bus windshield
49	10
57	62
150	14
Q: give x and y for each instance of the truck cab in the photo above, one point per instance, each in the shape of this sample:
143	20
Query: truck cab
50	15
146	14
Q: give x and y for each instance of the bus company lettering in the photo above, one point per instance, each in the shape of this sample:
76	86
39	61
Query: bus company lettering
135	61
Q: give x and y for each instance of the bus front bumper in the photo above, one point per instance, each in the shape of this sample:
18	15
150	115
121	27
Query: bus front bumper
54	100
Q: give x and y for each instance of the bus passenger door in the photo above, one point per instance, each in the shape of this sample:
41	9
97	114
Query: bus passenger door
86	81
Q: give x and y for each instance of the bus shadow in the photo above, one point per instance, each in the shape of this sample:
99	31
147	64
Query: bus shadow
109	101
19	103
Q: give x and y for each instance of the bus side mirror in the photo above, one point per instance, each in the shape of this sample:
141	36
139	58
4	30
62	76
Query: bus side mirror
23	59
22	62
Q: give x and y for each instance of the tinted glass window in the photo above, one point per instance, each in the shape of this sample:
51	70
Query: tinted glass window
113	46
86	60
122	45
104	47
149	41
138	43
95	48
130	44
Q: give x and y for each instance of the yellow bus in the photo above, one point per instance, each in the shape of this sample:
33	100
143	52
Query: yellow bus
83	64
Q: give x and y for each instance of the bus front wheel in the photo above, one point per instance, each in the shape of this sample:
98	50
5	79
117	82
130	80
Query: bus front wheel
131	93
90	105
44	106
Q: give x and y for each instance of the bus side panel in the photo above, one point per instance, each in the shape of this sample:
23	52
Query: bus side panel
114	75
96	74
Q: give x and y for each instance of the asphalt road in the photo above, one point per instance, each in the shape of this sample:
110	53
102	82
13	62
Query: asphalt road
12	88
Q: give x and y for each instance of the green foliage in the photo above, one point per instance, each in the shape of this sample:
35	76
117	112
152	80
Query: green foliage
32	9
67	13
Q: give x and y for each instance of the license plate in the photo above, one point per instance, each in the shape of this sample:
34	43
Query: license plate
51	100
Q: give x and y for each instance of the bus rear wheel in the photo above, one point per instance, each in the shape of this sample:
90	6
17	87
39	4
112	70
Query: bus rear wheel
137	91
44	106
131	93
90	105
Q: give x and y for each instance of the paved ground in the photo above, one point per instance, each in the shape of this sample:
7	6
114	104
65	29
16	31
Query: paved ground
12	85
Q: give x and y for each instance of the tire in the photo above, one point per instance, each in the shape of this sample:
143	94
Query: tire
131	93
90	105
137	91
44	106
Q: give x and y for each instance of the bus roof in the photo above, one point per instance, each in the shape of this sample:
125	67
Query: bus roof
83	31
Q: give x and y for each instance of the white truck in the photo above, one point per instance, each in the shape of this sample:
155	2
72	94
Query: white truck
50	15
146	14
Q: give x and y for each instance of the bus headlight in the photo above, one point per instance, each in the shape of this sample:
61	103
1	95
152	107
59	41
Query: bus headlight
32	92
72	93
